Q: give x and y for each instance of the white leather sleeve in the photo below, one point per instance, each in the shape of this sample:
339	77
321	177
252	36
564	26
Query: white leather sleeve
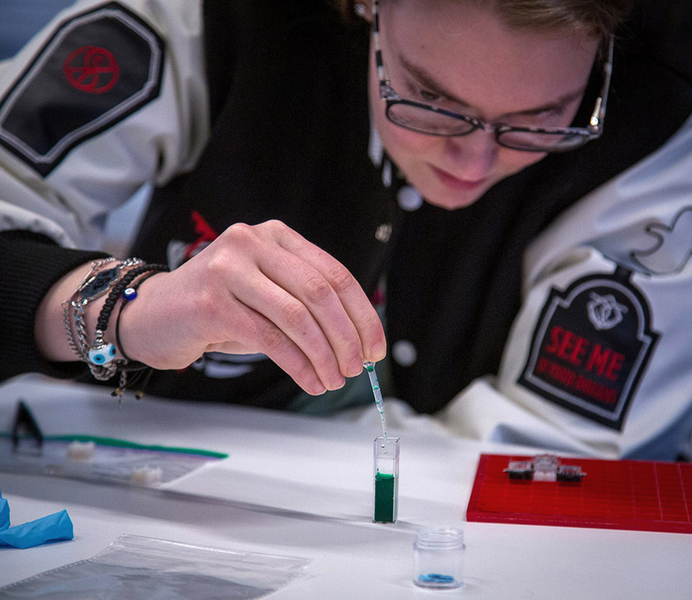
107	97
599	360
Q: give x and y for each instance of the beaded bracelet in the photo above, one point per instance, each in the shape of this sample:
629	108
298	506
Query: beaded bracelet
130	294
101	353
97	282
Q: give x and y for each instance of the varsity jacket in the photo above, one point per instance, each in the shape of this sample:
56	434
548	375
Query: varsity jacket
249	110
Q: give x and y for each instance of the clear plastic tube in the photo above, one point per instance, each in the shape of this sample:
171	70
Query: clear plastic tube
377	393
386	480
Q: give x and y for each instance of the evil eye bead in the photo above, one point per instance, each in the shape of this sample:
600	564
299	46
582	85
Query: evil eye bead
102	355
130	294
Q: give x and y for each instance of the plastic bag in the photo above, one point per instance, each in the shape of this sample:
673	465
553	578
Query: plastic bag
139	568
111	461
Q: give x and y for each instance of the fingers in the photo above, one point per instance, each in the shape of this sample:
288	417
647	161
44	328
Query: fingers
349	295
254	332
319	305
294	328
261	288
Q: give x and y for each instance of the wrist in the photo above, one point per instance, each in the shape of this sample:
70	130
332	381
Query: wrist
129	331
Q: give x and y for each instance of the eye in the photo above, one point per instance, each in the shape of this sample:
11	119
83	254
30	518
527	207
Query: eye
551	117
553	112
414	91
429	96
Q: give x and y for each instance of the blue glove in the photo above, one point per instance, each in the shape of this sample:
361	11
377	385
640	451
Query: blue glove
52	528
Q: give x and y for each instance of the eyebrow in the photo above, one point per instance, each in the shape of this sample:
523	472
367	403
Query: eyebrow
427	80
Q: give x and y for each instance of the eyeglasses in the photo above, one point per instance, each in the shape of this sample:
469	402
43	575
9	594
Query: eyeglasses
433	120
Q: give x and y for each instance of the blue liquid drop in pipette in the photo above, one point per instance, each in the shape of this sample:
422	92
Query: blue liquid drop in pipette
370	368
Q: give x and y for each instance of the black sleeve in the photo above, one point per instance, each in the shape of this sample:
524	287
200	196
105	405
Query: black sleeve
30	263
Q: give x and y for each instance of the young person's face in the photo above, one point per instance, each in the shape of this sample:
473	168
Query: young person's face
462	58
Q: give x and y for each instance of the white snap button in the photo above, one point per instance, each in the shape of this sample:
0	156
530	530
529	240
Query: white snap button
384	232
404	353
409	198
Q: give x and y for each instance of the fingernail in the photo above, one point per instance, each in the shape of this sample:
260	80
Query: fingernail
355	368
337	383
379	351
318	390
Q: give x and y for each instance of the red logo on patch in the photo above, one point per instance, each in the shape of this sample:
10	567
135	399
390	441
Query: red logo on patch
91	69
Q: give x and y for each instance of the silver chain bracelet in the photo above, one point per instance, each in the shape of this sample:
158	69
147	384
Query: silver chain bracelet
99	281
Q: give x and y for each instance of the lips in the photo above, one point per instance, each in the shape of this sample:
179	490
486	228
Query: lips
456	183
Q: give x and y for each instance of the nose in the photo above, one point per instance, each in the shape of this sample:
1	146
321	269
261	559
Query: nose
472	155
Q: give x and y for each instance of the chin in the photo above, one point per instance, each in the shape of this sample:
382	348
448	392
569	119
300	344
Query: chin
453	201
447	205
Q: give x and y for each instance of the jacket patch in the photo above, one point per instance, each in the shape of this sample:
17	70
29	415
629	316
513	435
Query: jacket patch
591	346
672	247
97	68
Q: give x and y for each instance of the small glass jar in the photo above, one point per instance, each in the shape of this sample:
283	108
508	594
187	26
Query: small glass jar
439	558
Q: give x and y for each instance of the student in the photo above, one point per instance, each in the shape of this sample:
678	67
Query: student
431	189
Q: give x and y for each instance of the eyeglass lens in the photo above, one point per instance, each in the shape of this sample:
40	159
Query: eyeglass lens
425	119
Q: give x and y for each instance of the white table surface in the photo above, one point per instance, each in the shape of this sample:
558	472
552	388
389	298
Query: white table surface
302	486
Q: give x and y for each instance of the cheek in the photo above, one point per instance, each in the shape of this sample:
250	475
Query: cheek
400	142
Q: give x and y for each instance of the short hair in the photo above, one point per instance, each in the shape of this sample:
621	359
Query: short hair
598	18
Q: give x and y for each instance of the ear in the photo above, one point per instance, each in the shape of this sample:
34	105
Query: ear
363	8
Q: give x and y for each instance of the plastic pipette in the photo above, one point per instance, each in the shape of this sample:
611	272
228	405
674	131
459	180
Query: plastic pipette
370	368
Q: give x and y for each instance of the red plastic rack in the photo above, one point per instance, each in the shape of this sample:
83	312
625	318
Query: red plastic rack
614	494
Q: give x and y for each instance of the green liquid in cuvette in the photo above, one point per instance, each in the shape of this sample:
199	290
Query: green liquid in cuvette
385	494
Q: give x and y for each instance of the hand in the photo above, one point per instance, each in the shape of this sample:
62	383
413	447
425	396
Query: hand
261	288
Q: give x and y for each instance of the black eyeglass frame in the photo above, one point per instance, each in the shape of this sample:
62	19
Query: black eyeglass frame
585	134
